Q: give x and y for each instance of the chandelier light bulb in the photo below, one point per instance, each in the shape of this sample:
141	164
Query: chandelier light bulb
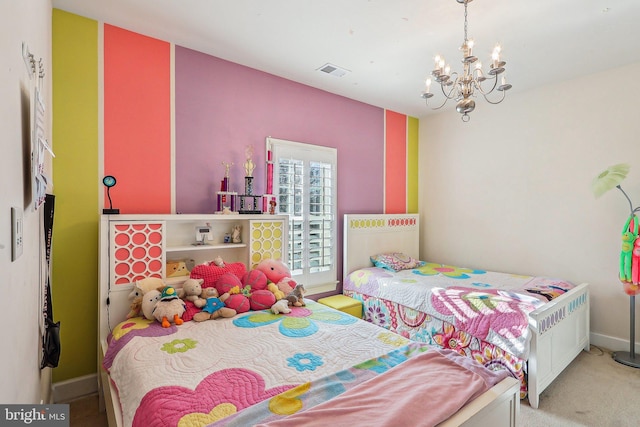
468	48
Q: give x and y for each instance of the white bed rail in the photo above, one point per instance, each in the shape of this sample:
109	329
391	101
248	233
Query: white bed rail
560	331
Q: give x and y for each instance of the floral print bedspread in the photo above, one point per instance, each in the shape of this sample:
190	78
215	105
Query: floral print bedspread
198	373
488	305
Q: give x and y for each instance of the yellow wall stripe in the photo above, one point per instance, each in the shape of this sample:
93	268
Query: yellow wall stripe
412	164
75	234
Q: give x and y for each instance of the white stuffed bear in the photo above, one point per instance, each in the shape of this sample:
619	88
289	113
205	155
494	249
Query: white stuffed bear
281	306
192	291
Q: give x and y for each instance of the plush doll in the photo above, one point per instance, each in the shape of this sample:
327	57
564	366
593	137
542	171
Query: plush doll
255	279
275	291
629	236
219	261
296	297
211	272
214	306
140	288
635	264
170	308
177	269
149	301
281	306
277	272
250	293
235	234
192	288
261	299
136	304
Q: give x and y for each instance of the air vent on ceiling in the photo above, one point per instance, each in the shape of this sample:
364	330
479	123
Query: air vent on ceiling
333	70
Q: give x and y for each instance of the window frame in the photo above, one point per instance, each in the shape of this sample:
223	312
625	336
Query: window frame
314	282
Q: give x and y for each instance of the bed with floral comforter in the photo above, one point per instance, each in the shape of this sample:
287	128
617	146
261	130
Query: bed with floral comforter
478	313
261	367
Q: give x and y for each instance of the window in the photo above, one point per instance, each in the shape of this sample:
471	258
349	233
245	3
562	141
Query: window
304	183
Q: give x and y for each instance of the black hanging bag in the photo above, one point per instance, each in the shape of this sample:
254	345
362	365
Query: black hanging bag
51	338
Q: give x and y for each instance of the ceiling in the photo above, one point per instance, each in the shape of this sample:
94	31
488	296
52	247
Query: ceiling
388	46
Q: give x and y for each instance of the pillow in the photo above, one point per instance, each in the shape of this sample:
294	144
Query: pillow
395	261
211	272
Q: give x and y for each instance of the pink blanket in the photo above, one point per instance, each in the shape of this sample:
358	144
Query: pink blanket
388	400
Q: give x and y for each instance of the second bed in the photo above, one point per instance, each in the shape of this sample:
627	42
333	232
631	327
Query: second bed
531	326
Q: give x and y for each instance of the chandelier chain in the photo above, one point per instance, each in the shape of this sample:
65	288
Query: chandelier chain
465	21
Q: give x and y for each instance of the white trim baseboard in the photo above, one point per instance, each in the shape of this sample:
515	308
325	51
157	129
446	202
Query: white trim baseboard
611	343
66	391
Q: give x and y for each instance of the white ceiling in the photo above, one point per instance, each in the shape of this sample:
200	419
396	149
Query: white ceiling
389	45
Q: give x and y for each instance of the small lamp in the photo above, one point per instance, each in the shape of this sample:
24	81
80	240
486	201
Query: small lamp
109	181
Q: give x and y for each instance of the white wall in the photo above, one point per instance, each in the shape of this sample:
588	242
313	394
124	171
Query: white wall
510	190
20	377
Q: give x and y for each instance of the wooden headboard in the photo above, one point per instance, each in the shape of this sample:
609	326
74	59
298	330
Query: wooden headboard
371	234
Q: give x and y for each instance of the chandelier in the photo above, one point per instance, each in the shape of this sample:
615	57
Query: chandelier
462	87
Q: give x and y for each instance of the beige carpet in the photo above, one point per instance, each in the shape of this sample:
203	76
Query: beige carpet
594	390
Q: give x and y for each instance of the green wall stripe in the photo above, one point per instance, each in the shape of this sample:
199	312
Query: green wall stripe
412	164
75	177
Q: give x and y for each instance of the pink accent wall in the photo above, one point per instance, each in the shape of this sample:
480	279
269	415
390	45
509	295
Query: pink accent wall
221	107
137	121
396	163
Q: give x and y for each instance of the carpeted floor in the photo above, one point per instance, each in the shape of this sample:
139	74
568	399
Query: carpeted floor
594	390
84	412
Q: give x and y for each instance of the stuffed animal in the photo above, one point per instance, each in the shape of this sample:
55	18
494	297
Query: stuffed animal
211	272
250	293
277	272
140	288
275	291
170	308
136	304
177	269
261	299
256	279
214	306
281	306
192	288
235	234
218	261
635	263
629	236
296	297
149	301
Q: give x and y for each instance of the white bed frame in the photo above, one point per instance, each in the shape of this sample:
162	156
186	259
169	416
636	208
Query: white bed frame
497	407
560	328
